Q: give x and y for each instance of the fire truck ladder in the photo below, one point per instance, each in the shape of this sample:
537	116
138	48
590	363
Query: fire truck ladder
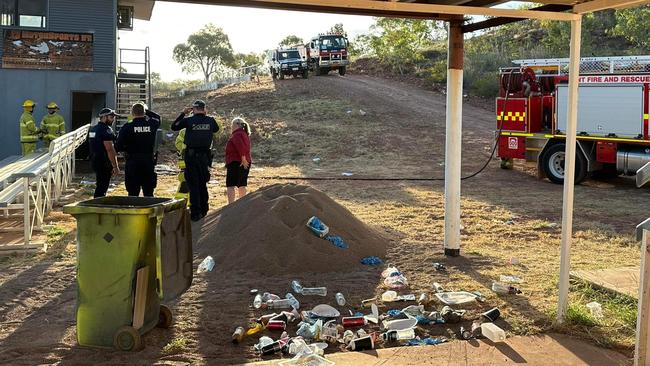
133	82
593	65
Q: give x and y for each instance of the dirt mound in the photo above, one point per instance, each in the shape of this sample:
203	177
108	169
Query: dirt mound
265	232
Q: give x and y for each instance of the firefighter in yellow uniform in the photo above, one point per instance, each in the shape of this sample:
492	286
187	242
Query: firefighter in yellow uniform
52	125
183	190
28	131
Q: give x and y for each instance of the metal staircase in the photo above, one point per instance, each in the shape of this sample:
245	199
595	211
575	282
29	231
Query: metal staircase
133	82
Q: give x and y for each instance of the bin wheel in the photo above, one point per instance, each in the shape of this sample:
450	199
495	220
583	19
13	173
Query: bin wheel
165	317
127	338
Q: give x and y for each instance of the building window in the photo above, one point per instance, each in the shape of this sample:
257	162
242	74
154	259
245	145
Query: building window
23	13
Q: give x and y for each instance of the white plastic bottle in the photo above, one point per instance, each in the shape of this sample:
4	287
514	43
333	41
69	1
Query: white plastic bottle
399	335
257	302
493	333
206	265
314	291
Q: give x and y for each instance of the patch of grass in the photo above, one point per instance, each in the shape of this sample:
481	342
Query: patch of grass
175	346
55	233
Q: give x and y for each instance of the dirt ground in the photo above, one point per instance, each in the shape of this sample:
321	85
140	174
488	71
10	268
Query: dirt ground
372	128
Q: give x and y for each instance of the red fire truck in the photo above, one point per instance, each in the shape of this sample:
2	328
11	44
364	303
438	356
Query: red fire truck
612	129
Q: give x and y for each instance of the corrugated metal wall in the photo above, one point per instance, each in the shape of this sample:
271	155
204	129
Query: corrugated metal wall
76	16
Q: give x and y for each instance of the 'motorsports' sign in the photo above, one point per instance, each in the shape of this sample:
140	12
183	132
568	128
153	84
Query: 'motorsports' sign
24	49
614	79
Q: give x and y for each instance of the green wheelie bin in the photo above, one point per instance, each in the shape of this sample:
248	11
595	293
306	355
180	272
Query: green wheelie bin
132	254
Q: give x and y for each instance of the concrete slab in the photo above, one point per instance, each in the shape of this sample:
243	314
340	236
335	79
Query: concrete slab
623	280
551	349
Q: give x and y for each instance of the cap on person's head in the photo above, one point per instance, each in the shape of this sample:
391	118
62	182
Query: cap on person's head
143	104
107	112
199	104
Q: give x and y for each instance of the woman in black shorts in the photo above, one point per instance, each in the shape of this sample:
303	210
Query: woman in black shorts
238	159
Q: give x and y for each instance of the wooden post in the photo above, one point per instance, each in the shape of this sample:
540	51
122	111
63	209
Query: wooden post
643	316
569	169
453	138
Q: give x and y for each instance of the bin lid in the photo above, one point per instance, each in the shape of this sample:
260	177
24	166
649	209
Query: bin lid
124	205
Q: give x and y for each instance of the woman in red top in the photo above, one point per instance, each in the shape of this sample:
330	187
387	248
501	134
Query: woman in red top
238	159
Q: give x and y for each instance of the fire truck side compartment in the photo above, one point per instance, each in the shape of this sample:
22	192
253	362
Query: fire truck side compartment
604	110
512	147
511	116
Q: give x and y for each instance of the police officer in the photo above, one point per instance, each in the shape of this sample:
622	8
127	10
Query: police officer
28	131
199	133
103	157
138	141
52	124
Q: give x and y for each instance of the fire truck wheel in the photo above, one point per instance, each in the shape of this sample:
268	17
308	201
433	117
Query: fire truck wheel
342	71
553	164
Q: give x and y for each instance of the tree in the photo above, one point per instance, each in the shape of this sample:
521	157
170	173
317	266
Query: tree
338	29
290	41
247	59
632	24
205	50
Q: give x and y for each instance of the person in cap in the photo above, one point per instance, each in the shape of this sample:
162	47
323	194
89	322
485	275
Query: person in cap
200	130
28	131
52	124
138	141
103	157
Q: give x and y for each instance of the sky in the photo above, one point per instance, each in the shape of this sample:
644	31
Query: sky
249	30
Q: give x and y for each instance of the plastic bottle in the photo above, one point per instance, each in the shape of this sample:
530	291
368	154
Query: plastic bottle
501	288
424	299
399	335
492	332
340	299
294	302
272	348
438	287
238	335
296	286
510	279
279	304
206	265
257	302
596	309
314	291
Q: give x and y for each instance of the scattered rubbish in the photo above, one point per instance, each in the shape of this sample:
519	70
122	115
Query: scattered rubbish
271	349
316	160
254	291
213	182
206	265
510	279
393	278
413	310
492	315
509	222
465	334
456	298
257	302
308	291
372	261
553	225
288	302
309	331
439	267
238	335
394	313
87	183
348	336
399	335
347	174
354	321
451	316
263	342
330	331
374	315
349	112
438	287
435	317
276	325
596	309
513	261
492	332
423	299
337	241
501	288
325	311
366	301
479	296
340	299
427	341
390	271
162	169
362	112
400	324
361	344
317	226
310	360
389	296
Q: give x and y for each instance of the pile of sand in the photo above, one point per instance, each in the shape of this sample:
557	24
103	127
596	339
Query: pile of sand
266	232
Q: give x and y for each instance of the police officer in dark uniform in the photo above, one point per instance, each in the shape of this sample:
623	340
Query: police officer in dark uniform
138	142
200	129
103	157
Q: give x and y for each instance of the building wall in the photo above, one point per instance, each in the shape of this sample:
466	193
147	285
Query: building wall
43	86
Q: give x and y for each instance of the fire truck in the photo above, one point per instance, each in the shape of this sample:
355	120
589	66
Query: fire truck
327	52
612	127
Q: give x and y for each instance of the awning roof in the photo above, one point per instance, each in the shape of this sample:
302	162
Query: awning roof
142	9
